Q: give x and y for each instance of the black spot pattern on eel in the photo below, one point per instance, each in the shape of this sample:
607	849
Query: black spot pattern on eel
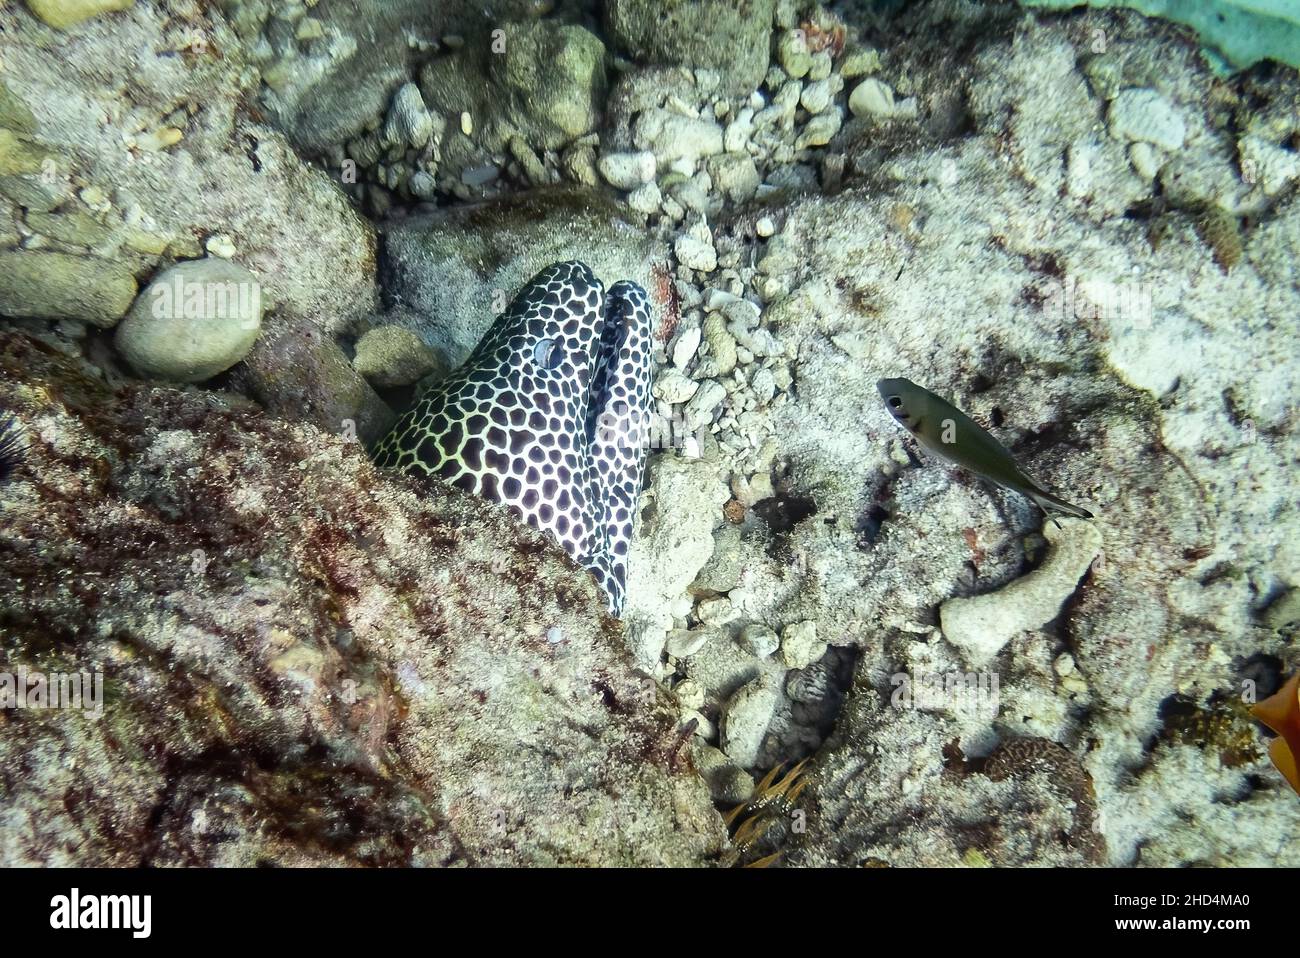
549	415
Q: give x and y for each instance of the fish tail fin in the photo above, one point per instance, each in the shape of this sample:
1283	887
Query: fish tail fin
1050	504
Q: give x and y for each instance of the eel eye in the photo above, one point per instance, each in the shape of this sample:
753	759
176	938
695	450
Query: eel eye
895	402
547	354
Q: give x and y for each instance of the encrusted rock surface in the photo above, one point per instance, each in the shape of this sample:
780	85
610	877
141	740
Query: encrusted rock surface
1067	224
306	662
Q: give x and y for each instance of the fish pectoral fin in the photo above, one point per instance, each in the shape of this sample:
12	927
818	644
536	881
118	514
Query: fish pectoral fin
1050	504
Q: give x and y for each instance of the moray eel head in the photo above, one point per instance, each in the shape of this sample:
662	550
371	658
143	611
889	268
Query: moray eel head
546	416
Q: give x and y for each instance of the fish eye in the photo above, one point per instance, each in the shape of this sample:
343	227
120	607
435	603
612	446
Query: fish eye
547	354
895	402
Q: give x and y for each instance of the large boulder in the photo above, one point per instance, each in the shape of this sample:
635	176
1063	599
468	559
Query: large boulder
541	81
456	269
325	84
304	661
134	128
725	35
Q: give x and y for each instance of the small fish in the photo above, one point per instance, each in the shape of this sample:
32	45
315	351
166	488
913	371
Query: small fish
945	431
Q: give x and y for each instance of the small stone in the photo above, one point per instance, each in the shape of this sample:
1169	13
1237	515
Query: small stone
1143	115
860	63
728	783
74	228
422	185
752	490
746	718
221	245
872	97
820	130
365	150
309	28
627	171
68	13
816	96
764	386
696	253
534	169
758	639
676	139
194	320
51	285
699	410
297	372
792	52
645	199
735	138
908	109
787	98
1146	160
683	643
734	175
765	227
722	345
716	611
579	163
95	198
392	356
673	386
821	65
686	346
155	141
737	309
409	121
688	691
799	645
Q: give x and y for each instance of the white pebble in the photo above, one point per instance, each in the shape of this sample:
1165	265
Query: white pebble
687	345
645	198
872	97
696	253
627	171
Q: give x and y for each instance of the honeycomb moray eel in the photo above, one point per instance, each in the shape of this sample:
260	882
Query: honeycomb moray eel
549	416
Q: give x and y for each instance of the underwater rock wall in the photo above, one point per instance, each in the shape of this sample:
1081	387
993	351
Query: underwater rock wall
306	662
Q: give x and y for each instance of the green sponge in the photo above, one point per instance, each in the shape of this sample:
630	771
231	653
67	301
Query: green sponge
1242	32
